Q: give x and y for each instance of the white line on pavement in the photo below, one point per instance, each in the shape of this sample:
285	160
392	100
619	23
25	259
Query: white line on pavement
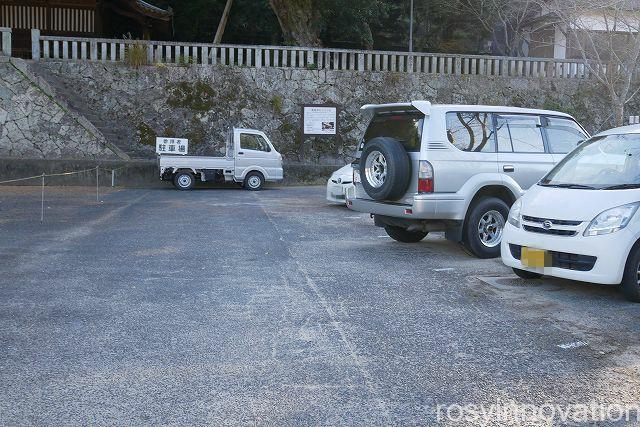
570	345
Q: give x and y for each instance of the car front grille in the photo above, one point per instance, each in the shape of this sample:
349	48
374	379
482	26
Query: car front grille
552	231
559	227
564	260
553	221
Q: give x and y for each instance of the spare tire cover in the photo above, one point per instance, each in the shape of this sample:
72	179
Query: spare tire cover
385	169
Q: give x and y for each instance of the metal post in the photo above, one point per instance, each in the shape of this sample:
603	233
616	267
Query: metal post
97	194
42	201
113	177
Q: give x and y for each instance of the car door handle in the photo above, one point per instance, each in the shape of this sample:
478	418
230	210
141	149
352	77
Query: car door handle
240	153
508	168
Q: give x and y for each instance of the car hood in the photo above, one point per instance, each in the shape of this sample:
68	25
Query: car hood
573	204
345	172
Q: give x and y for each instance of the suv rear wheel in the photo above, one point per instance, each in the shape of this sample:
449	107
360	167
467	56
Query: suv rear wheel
484	227
385	168
403	235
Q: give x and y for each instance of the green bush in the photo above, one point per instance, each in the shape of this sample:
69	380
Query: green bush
197	96
276	104
146	135
136	54
185	61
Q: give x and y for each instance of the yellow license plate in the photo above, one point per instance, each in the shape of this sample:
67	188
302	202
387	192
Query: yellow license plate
535	258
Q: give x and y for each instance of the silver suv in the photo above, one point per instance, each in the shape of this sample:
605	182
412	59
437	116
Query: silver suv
455	168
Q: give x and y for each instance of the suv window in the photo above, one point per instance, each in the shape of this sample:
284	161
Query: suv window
250	141
471	131
519	134
563	135
405	126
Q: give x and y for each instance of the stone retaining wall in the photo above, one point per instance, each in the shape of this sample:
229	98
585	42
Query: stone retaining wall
203	102
33	123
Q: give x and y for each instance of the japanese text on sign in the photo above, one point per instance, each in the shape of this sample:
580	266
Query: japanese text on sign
165	145
320	120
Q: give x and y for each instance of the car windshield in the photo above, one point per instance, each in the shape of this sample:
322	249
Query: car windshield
601	163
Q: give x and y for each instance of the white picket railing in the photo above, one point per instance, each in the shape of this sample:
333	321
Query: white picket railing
116	50
5	41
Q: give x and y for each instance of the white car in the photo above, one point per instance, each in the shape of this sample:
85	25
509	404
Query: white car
580	221
340	185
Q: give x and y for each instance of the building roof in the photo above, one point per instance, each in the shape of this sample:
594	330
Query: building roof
141	8
151	10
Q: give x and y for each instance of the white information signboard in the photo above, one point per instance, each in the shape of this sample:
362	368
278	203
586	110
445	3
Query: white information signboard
167	145
318	120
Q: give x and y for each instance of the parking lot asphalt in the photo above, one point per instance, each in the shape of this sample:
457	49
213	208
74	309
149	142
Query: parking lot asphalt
224	306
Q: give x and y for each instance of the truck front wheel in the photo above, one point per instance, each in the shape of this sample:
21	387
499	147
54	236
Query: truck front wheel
184	180
254	181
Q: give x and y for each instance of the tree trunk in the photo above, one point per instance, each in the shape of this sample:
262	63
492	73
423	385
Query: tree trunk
618	109
298	20
223	22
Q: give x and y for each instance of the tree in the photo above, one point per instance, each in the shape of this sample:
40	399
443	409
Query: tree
349	24
223	22
606	36
445	26
299	20
253	21
329	22
508	21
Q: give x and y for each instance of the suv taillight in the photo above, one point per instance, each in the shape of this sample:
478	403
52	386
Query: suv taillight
425	177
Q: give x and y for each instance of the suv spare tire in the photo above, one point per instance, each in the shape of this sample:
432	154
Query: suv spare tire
385	169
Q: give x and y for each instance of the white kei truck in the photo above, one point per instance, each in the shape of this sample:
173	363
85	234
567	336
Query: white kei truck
250	160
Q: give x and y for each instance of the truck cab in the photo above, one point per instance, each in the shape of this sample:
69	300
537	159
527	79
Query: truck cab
249	159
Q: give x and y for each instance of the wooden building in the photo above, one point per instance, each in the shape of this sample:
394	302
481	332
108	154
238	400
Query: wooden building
83	18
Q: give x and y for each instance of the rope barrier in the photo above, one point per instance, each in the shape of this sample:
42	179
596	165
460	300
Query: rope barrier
20	179
113	174
45	175
71	173
48	175
113	170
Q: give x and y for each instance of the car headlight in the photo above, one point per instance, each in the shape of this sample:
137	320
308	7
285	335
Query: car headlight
514	213
612	220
